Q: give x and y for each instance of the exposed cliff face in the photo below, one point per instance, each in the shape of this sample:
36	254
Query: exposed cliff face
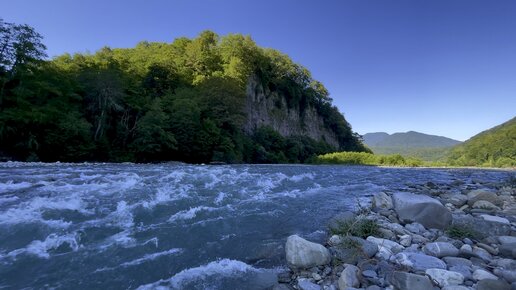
269	108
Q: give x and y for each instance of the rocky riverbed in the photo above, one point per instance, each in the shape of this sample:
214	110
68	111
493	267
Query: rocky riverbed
433	236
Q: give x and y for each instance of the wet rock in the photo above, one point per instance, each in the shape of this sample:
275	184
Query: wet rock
418	261
444	277
349	277
491	284
305	284
480	274
483	195
301	253
409	281
422	209
382	201
440	249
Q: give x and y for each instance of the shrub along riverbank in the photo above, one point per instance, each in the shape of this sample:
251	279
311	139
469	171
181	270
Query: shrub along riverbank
363	158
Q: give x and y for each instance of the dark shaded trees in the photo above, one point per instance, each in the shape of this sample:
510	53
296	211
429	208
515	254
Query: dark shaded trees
158	101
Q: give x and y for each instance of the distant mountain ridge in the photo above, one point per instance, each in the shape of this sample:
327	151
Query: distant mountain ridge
409	139
410	144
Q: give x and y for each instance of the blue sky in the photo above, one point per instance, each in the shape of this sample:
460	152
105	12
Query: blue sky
444	67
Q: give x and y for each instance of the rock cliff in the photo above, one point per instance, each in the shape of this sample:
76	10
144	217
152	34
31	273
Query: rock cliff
270	108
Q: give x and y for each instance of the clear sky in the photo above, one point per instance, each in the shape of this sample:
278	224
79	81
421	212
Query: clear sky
444	67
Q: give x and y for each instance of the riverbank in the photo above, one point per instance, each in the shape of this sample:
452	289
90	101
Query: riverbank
433	236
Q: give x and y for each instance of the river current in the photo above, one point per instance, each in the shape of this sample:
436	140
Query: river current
137	226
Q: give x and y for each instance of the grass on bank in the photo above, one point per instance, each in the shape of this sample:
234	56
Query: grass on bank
362	158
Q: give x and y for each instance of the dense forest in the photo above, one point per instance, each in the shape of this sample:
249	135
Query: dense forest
155	102
495	147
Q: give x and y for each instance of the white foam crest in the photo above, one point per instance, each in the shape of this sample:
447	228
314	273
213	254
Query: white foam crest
166	194
267	183
123	215
176	175
214	181
224	267
11	185
220	197
83	176
31	211
122	239
190	213
105	185
8	198
299	177
150	257
40	248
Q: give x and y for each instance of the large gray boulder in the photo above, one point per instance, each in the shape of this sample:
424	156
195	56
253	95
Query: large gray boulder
481	228
304	254
381	201
482	194
418	262
409	281
440	249
422	209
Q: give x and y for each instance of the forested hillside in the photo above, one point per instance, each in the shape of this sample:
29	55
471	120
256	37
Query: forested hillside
495	147
182	101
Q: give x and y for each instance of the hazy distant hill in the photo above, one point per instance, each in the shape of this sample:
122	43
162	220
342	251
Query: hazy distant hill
415	144
495	147
409	139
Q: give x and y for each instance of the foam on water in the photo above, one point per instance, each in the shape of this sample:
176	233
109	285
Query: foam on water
11	186
224	268
150	257
190	213
52	242
167	194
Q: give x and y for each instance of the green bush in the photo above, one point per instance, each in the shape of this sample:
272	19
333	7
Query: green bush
460	232
358	227
363	158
